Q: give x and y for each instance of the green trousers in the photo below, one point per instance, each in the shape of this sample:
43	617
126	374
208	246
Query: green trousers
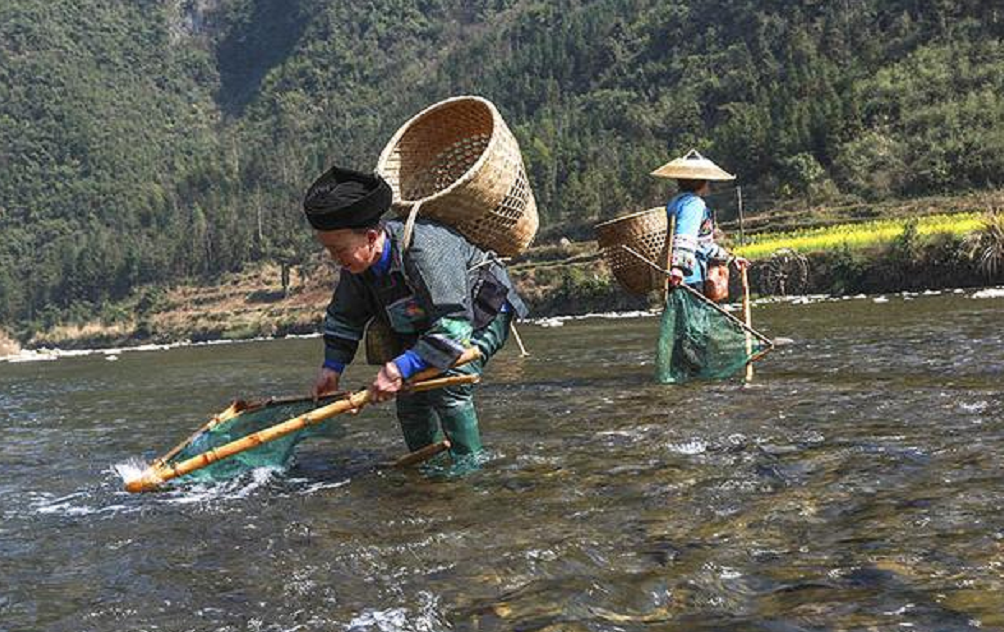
431	416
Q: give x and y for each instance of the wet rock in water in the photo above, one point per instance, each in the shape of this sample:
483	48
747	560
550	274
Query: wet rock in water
778	450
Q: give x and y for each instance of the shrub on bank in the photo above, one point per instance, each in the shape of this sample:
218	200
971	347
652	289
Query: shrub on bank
8	346
906	264
573	289
985	245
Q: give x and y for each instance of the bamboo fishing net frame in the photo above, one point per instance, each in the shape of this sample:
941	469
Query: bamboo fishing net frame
458	163
159	471
644	232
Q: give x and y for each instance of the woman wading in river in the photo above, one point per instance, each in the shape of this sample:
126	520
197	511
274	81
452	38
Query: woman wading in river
701	264
695	254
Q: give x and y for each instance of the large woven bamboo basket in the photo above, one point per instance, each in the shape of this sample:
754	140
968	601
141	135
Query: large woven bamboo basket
461	163
643	232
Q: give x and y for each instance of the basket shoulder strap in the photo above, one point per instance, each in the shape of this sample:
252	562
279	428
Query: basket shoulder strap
409	226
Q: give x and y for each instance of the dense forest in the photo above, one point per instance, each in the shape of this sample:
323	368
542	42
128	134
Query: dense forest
146	141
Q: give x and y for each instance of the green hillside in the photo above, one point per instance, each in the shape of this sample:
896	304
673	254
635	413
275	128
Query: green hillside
145	142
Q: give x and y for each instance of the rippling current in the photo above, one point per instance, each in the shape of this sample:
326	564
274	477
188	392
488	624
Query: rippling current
856	484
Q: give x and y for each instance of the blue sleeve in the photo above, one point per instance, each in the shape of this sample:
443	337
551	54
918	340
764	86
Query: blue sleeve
689	213
409	363
334	365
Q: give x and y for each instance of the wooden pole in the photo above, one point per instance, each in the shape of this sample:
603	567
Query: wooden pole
154	476
749	321
422	455
519	341
668	259
739	202
440	382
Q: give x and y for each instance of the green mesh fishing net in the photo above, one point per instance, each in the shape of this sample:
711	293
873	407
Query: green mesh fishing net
699	340
242	419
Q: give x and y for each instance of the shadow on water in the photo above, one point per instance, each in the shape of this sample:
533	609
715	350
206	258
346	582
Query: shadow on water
855	485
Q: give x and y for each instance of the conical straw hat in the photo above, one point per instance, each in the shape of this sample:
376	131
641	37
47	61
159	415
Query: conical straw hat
693	166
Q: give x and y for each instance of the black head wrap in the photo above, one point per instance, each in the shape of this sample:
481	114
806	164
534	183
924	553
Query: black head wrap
342	198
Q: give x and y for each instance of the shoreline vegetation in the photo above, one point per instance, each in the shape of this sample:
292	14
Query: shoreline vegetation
898	252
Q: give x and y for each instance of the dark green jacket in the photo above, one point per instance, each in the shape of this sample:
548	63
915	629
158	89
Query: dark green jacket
433	296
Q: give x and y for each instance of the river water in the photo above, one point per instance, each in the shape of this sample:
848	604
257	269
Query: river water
856	484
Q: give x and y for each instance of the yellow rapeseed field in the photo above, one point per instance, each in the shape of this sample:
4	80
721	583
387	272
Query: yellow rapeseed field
859	235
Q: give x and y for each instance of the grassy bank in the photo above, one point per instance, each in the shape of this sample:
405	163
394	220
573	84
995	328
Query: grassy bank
250	304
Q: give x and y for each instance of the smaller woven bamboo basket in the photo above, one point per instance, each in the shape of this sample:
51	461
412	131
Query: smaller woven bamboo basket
459	161
643	232
382	344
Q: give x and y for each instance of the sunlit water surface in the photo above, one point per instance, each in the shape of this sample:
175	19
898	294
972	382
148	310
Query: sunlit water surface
857	484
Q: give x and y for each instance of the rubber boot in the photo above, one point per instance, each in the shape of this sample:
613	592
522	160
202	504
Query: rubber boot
418	419
421	414
460	421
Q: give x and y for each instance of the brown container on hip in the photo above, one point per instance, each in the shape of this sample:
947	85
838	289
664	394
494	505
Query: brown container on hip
459	160
645	233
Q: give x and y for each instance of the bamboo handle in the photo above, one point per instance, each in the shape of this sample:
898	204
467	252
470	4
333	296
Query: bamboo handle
156	475
749	322
442	382
422	454
233	409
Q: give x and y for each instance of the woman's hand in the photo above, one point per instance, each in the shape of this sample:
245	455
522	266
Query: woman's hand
326	382
741	263
676	277
387	383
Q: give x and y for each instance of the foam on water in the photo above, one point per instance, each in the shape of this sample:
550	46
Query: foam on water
316	487
811	299
608	315
548	322
130	470
235	488
188	493
41	355
400	619
994	292
975	407
30	355
73	505
690	448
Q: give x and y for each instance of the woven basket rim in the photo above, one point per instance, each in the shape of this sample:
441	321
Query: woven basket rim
622	218
471	171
